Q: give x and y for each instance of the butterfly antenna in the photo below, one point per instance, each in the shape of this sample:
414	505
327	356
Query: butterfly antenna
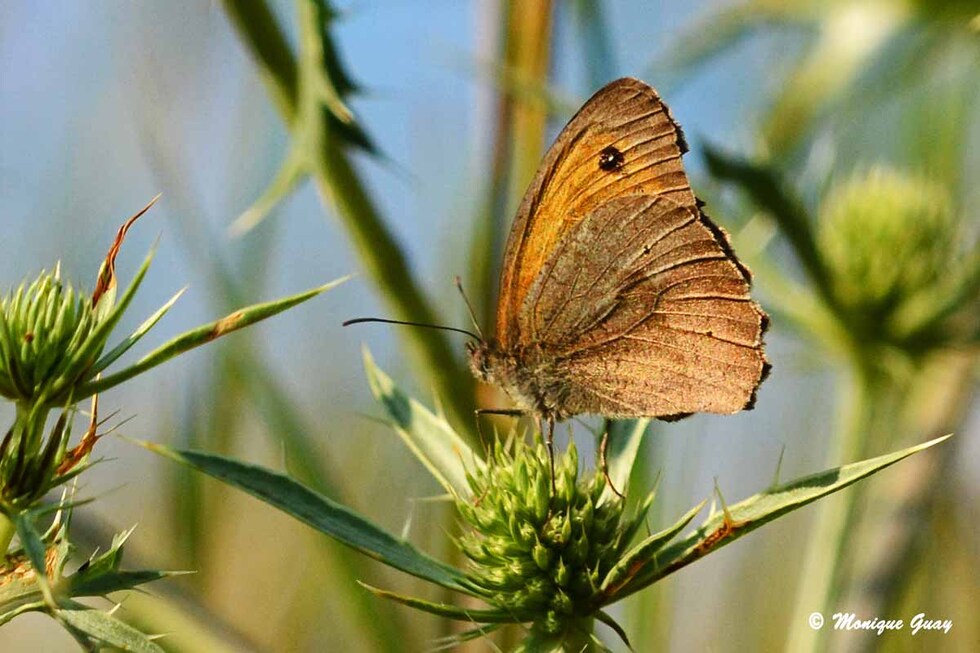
362	320
469	307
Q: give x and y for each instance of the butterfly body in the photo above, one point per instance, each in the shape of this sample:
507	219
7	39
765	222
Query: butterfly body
618	295
530	377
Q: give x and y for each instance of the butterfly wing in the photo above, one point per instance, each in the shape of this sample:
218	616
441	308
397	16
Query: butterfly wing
623	141
662	328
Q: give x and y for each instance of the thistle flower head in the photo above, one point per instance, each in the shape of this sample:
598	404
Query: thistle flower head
46	338
538	553
898	254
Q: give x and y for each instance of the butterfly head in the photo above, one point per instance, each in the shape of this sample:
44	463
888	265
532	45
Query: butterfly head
483	358
493	366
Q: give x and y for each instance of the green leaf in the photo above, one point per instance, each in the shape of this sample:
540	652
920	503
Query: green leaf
100	574
97	339
430	437
35	550
449	611
130	340
625	437
769	192
643	552
202	335
10	613
633	526
750	514
320	512
102	628
616	628
100	585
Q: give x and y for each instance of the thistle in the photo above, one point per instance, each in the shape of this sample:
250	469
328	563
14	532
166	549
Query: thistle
900	260
53	355
538	555
49	339
549	560
51	334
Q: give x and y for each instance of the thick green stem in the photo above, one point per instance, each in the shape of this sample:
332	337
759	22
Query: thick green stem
7	530
820	578
336	179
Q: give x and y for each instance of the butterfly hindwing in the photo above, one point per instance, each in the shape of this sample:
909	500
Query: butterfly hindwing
663	327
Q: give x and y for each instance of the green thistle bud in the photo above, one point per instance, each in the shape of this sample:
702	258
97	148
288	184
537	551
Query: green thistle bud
48	339
548	547
898	254
542	556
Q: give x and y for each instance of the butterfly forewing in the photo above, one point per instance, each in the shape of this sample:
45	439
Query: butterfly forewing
621	142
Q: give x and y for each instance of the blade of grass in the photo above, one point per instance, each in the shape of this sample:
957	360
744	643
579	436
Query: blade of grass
625	440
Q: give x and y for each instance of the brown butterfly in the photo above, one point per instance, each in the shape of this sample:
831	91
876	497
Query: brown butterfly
618	296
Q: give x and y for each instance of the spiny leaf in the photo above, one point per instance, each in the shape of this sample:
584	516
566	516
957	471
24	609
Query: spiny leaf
105	285
83	584
644	552
130	340
430	438
616	628
449	611
101	628
320	512
203	335
757	510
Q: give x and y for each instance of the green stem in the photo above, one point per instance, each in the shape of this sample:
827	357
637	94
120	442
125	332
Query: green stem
7	530
337	180
820	578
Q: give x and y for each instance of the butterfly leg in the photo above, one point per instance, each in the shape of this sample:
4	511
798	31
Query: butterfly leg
551	452
603	447
512	412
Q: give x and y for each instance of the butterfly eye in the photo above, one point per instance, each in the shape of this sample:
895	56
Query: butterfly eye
610	159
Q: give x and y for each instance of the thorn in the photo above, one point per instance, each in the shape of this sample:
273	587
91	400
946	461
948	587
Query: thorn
603	446
724	506
779	466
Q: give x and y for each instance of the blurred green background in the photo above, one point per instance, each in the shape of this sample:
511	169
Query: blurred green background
105	104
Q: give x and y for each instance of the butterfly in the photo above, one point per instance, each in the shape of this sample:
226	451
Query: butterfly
618	295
